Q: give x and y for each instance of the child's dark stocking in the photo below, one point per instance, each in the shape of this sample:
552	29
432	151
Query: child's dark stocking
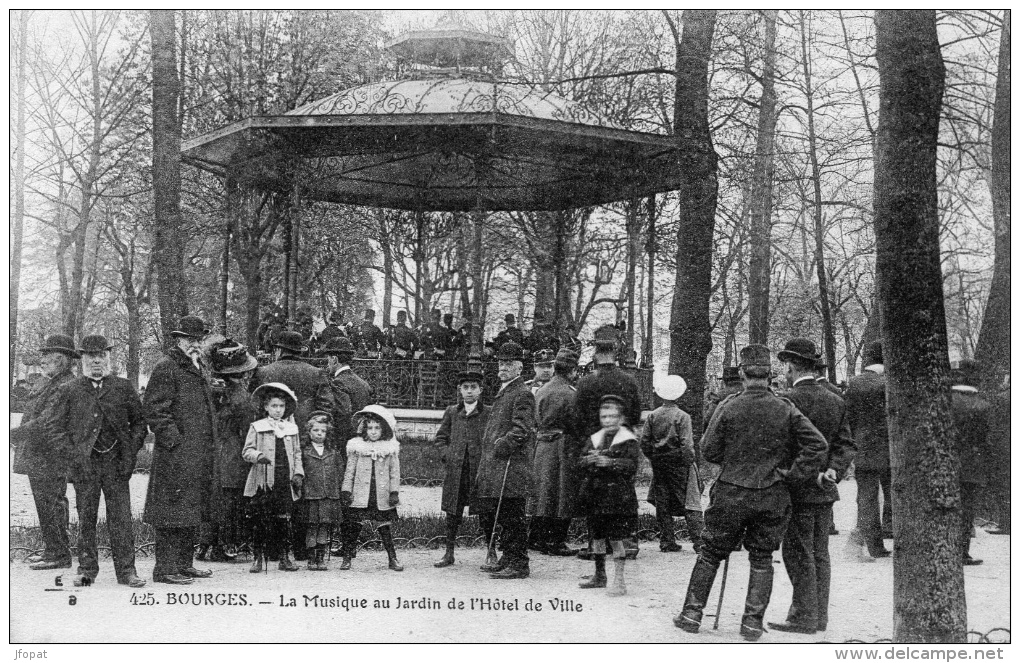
387	540
349	532
452	525
283	538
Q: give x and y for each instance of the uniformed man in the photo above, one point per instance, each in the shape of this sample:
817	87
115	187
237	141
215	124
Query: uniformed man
865	408
43	462
460	342
402	338
431	343
555	465
761	441
333	329
971	416
370	340
446	342
511	333
732	384
806	546
568	339
542	362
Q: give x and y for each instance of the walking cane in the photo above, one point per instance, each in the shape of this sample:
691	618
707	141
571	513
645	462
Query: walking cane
499	503
722	590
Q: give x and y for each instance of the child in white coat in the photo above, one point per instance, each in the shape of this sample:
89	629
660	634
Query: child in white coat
274	482
371	487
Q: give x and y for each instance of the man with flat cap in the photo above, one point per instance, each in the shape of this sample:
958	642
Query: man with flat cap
182	415
504	471
555	465
45	464
460	437
806	546
761	442
97	420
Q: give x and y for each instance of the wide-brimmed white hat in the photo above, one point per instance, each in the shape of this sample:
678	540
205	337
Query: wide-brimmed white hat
671	387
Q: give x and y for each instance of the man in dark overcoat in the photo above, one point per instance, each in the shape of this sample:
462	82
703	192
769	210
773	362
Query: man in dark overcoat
865	409
762	442
971	417
806	546
45	464
180	409
504	471
402	339
97	420
607	378
555	466
460	437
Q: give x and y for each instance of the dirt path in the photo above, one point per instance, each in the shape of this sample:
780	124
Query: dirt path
861	606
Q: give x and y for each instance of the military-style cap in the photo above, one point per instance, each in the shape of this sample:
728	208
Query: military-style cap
291	340
448	318
436	313
320	414
605	338
545	356
401	315
731	373
755	355
470	376
799	348
60	343
510	351
369	314
510	319
93	344
612	398
340	345
566	358
191	326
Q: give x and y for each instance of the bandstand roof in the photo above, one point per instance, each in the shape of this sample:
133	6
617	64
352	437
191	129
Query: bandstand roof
443	141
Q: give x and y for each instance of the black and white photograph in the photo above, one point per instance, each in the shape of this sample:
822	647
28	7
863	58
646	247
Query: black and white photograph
506	326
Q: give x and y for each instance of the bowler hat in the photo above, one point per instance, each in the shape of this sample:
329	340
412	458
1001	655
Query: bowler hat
755	355
229	356
60	343
671	387
612	398
191	326
873	355
510	351
470	376
94	344
799	348
566	358
545	356
341	345
291	340
605	338
730	374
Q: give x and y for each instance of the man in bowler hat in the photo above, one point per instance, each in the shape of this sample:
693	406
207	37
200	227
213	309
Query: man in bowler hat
761	441
97	420
39	457
182	415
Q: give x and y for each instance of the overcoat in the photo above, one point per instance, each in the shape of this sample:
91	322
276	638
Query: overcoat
361	454
79	412
610	490
865	410
323	474
971	416
557	447
235	412
36	454
350	394
607	379
461	435
261	443
178	403
508	438
827	412
307	382
667	442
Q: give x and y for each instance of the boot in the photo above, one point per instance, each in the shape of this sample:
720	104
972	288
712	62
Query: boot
452	526
286	564
203	551
313	561
618	588
219	554
320	557
283	546
259	553
695	527
391	552
759	591
345	563
492	564
599	579
667	533
698	588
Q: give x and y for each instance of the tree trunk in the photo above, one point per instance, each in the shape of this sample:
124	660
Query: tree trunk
649	349
18	222
690	327
993	342
928	591
561	302
134	325
824	302
166	172
253	302
760	268
477	277
233	204
633	250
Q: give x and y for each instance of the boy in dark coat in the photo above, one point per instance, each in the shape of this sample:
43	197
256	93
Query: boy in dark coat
504	473
180	410
43	462
806	546
460	434
97	421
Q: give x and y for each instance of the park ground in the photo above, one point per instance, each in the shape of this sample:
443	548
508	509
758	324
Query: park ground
861	606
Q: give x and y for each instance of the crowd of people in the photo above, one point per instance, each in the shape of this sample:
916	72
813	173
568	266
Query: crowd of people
288	458
433	340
